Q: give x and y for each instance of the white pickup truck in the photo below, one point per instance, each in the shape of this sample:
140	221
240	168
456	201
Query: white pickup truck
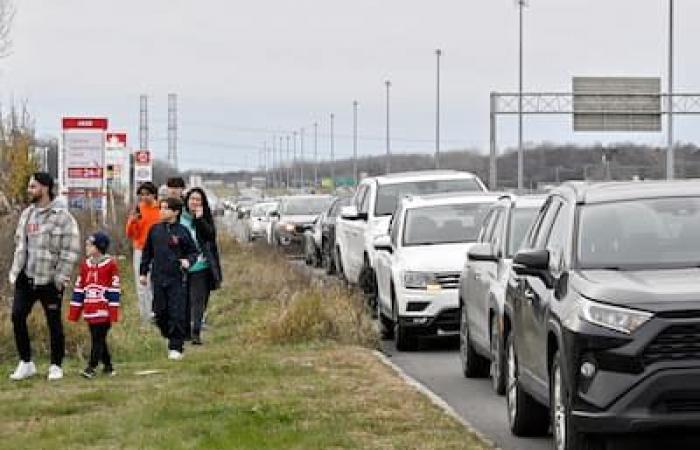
370	211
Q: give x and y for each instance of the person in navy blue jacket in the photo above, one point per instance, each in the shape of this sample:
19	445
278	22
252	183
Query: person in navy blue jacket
168	253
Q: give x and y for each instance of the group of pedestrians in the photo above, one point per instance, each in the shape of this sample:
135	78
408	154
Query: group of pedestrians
176	263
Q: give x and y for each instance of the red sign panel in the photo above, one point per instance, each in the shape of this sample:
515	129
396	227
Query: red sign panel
84	123
117	139
85	172
142	157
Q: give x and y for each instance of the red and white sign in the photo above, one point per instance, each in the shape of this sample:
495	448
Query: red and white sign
84	151
143	166
84	123
116	139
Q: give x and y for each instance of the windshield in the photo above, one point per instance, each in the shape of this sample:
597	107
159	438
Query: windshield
261	209
521	219
388	195
640	233
443	224
306	206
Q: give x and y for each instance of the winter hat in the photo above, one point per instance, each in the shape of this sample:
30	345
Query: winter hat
100	240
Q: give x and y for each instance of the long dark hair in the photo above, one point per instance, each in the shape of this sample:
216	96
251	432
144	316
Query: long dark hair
207	215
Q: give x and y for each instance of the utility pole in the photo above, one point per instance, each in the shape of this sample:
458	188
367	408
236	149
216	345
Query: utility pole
315	154
281	159
332	149
388	137
143	123
670	157
172	130
354	142
438	53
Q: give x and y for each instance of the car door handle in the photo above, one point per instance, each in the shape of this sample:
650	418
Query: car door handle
477	276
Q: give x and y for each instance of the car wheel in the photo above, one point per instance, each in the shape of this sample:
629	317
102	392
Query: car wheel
386	325
404	338
497	376
525	416
339	264
473	364
368	283
565	435
308	259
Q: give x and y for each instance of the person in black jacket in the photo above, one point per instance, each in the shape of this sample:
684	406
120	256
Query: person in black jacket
205	274
168	254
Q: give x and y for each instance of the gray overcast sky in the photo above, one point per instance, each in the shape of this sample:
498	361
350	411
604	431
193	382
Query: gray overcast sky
241	67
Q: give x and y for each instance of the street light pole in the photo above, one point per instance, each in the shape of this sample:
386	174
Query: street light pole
289	162
438	54
274	162
521	7
295	180
315	154
354	142
388	136
332	149
280	151
301	165
670	157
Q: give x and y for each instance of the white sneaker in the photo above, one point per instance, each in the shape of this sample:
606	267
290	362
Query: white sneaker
55	372
23	371
174	355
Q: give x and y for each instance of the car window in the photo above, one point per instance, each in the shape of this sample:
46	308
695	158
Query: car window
443	224
388	195
520	221
359	196
558	238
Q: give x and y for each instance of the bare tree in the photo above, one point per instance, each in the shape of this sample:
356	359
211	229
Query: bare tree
7	15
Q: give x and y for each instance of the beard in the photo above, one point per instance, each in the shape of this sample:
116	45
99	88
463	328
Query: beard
35	198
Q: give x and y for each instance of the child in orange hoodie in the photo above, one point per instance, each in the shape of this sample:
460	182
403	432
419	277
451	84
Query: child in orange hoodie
142	218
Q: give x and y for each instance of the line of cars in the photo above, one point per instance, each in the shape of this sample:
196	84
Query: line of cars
582	305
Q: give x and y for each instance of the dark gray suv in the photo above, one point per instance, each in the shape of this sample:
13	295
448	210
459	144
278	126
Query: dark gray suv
602	313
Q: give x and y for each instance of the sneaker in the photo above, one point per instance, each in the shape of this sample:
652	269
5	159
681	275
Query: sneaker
23	371
55	372
109	371
174	355
88	373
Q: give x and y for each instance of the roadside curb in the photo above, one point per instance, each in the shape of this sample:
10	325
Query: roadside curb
434	398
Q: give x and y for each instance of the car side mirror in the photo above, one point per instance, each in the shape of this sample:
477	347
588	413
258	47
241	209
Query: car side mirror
534	263
349	213
275	214
482	252
383	243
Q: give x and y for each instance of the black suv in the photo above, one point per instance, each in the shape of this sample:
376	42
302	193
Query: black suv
602	313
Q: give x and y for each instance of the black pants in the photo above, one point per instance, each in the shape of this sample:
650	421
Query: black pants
199	289
169	307
99	353
26	293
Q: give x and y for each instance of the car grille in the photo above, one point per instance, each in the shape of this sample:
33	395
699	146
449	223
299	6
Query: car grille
675	343
448	280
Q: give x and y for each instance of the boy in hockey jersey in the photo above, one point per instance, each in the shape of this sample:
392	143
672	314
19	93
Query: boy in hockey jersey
96	295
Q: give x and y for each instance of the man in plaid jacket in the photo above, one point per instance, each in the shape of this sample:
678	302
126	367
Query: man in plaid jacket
47	247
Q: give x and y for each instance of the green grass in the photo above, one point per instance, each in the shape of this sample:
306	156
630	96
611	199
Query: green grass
244	389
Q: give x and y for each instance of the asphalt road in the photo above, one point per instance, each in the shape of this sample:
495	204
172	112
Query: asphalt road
436	365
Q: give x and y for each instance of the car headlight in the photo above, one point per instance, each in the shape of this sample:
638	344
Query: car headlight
615	318
418	280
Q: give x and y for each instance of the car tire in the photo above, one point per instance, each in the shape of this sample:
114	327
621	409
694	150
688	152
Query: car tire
404	338
564	435
386	325
339	270
473	364
498	379
328	261
526	416
368	284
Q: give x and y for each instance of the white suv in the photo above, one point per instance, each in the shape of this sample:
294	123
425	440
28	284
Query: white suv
370	211
419	263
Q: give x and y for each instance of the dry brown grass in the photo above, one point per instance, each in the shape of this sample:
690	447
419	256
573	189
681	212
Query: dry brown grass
304	309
